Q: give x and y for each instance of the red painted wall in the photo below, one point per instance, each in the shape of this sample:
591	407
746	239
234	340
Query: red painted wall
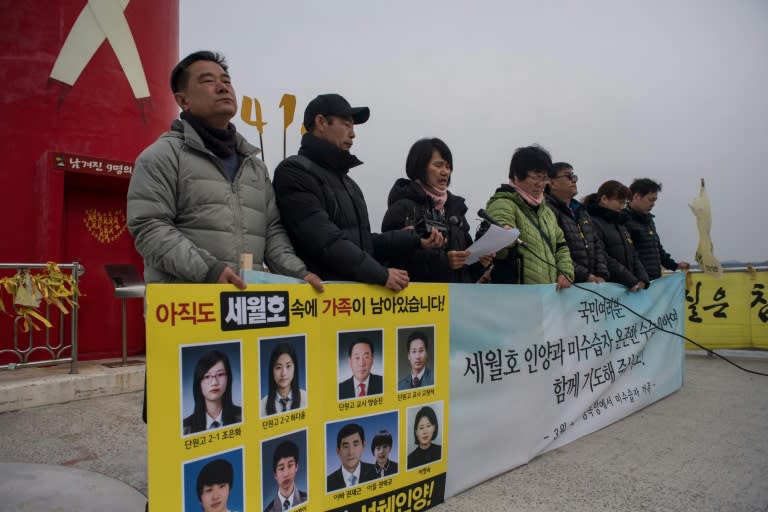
48	213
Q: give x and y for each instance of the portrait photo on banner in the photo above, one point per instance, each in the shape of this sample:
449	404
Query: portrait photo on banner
423	425
282	374
415	355
284	471
214	483
211	386
361	449
360	363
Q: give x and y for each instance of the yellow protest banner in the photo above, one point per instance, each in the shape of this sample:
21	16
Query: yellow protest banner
729	312
276	396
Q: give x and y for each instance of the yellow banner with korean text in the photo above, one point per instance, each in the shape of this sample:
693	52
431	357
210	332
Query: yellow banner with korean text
727	313
280	398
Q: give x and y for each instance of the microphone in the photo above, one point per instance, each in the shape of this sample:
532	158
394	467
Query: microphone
484	215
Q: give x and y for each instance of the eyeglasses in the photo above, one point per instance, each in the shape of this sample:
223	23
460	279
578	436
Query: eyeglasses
539	179
218	376
571	176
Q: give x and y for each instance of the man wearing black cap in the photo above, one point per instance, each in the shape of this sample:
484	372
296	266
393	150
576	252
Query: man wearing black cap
324	210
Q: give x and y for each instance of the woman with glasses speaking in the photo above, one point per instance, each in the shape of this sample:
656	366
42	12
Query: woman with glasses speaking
587	250
544	256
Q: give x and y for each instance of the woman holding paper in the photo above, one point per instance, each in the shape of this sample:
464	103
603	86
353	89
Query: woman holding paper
422	201
544	256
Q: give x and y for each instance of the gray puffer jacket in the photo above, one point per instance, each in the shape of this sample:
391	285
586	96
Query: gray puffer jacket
189	221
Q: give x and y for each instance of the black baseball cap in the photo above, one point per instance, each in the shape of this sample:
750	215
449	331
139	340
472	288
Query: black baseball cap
333	105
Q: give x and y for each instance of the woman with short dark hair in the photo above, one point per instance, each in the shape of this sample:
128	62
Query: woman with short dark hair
423	200
424	433
544	256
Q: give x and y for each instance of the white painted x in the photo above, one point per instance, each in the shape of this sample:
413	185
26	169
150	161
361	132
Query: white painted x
100	20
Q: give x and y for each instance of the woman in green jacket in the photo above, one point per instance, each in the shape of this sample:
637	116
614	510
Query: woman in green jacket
544	256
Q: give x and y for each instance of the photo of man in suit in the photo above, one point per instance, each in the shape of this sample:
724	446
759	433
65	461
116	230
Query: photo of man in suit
363	382
350	445
285	466
417	350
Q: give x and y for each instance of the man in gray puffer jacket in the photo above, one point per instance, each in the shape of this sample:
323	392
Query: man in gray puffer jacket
199	196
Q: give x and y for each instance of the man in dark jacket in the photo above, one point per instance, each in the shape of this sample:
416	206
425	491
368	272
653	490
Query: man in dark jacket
587	251
641	227
324	210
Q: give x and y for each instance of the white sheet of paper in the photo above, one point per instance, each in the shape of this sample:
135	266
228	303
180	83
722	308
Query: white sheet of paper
493	240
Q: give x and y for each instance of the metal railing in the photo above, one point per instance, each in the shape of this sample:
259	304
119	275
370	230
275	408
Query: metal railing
42	341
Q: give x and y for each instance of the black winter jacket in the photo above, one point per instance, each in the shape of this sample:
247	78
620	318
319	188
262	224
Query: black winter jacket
623	261
643	231
408	202
587	250
326	217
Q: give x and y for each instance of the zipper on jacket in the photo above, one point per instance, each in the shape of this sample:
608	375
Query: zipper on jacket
235	195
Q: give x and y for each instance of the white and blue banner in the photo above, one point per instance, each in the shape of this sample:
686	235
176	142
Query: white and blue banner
533	368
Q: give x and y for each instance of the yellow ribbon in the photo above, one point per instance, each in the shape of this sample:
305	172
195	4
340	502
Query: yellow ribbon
55	288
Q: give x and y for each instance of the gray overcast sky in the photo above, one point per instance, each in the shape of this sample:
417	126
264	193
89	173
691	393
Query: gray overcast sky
672	90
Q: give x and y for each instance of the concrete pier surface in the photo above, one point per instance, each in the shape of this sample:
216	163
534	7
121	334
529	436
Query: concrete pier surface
704	448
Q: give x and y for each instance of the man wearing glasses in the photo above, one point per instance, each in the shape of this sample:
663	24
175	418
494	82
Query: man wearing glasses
587	251
544	256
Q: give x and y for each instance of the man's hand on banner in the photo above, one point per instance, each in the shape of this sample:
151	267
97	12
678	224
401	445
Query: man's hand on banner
562	282
229	276
397	279
315	281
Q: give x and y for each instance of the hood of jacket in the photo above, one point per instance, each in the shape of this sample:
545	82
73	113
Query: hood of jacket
558	204
607	214
403	188
643	218
506	191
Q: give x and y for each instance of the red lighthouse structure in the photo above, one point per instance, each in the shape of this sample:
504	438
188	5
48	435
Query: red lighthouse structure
86	89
